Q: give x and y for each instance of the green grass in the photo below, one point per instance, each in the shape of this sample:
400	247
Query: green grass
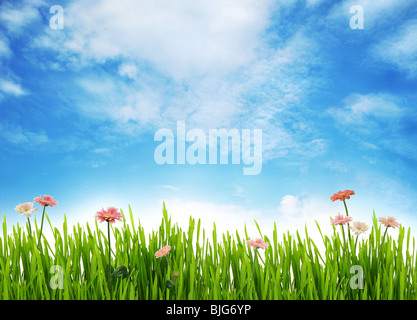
219	268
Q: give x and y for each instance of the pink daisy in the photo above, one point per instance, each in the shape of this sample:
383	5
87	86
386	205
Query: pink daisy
342	195
340	219
257	243
163	252
109	215
46	201
25	209
389	222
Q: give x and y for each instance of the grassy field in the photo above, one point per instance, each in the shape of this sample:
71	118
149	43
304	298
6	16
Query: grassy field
224	267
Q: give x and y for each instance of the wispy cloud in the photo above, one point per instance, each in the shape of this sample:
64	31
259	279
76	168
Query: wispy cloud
388	194
103	151
23	138
11	87
169	187
240	191
97	164
15	16
336	166
5	51
400	49
129	70
313	3
378	122
369	113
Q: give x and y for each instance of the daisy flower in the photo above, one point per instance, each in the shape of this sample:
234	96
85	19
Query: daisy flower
257	243
26	209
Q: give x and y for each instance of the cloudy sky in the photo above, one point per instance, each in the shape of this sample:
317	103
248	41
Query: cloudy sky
79	108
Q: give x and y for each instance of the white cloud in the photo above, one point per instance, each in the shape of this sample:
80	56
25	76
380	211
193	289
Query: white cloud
404	146
240	192
21	137
367	110
97	164
289	206
10	87
280	85
313	3
5	51
144	107
400	49
336	166
129	70
305	208
370	117
184	39
17	16
103	151
169	187
390	195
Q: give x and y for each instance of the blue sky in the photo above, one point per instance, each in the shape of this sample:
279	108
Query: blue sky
80	106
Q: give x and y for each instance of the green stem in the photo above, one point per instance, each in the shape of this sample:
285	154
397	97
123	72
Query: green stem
383	239
109	267
175	279
347	215
40	234
253	271
344	238
108	229
169	267
356	242
260	257
30	228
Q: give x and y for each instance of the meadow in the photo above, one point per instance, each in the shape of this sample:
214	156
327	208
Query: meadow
171	263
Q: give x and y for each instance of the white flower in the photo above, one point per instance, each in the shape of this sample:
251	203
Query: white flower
359	227
25	209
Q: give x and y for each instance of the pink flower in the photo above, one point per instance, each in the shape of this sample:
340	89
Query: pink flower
359	227
163	252
389	222
257	243
109	215
46	201
342	195
25	209
341	219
